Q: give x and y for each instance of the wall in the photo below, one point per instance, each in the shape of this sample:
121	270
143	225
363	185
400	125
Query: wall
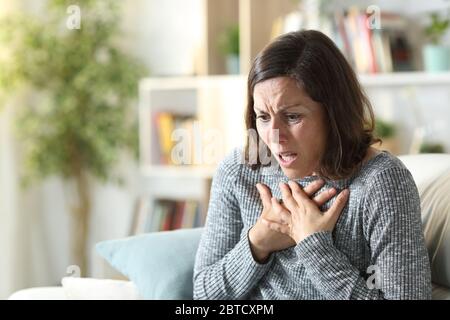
166	35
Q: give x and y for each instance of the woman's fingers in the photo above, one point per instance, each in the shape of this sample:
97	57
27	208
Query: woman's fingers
265	194
335	210
281	214
313	187
287	197
324	196
299	195
275	226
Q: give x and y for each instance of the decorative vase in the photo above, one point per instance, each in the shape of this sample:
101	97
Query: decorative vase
436	58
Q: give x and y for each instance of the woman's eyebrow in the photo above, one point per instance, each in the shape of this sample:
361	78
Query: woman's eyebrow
258	110
281	108
292	106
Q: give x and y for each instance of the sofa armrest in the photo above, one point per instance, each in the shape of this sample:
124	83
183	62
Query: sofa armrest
40	293
440	293
82	289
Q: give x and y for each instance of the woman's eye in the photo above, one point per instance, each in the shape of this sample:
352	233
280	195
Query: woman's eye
293	117
263	117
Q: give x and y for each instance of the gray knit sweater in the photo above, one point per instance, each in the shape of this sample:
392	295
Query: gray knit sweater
379	227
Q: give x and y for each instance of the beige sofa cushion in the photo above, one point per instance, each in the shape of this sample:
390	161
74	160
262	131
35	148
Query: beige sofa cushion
431	172
440	293
435	204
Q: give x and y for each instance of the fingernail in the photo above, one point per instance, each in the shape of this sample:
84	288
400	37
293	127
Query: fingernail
345	192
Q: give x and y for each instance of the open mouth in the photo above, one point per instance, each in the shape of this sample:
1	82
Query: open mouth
287	158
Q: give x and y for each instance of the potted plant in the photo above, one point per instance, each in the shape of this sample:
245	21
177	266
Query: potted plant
429	147
436	55
81	117
386	131
229	46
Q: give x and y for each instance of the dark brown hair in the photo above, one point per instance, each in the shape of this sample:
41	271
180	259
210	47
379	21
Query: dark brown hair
311	58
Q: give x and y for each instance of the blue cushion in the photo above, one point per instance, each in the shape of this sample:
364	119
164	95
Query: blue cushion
160	264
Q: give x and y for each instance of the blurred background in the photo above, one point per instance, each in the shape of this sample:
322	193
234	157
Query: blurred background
114	114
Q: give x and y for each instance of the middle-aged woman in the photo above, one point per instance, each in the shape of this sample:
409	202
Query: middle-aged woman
333	218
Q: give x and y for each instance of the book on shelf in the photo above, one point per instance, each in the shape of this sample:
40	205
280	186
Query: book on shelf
165	215
373	50
368	49
171	215
164	125
177	221
140	216
176	137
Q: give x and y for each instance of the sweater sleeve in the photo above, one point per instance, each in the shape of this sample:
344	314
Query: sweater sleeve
393	230
224	266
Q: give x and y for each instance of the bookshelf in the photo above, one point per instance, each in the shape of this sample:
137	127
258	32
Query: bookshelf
162	171
254	18
214	106
258	22
416	78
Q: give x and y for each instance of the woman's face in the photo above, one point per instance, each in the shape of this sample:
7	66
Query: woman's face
281	105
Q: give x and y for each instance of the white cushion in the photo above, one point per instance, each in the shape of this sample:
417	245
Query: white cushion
41	293
99	289
426	167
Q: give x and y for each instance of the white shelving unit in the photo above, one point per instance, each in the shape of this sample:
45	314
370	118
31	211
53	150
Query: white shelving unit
162	171
217	104
256	17
405	79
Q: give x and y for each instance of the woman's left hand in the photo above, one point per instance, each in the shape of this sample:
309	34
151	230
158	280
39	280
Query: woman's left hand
300	216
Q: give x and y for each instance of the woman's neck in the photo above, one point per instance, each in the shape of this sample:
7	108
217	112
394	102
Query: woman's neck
371	153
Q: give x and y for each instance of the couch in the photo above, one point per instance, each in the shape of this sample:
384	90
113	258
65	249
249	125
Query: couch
431	173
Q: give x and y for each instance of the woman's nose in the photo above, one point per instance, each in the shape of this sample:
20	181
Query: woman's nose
277	131
276	123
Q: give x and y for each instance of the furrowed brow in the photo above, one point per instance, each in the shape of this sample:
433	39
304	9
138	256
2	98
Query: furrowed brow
256	109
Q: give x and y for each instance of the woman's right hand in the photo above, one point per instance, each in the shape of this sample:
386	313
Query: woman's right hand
263	240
